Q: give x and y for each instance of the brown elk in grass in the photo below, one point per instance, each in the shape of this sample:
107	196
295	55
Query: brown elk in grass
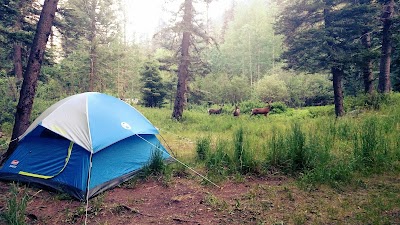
263	111
215	111
236	112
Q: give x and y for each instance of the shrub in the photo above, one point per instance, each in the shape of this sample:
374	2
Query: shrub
367	101
278	107
319	111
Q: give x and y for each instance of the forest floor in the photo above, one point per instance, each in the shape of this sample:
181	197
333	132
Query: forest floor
273	199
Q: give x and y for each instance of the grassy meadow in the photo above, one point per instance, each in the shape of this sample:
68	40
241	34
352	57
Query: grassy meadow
336	170
309	144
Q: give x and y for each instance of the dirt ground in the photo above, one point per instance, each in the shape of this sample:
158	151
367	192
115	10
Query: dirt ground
273	199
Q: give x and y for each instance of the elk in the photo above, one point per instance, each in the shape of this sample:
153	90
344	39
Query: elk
215	111
236	112
263	111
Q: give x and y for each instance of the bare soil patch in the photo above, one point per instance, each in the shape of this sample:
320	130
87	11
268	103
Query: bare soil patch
272	199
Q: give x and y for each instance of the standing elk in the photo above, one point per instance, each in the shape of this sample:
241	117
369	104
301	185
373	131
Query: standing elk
263	111
215	111
236	112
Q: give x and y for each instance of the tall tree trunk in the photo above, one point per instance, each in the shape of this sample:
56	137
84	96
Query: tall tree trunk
28	89
338	91
384	85
367	66
17	57
337	73
18	61
93	45
183	71
92	73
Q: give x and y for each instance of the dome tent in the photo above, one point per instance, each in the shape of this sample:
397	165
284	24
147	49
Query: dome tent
83	145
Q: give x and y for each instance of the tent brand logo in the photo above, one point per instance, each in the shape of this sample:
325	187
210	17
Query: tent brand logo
14	163
126	126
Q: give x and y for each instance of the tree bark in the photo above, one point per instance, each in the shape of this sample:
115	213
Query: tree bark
183	71
337	73
18	72
17	57
338	91
367	66
29	84
93	47
384	85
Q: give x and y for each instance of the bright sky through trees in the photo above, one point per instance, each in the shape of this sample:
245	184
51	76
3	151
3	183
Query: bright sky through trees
145	16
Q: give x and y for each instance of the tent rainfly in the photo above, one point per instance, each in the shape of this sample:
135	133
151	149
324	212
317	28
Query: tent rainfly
83	145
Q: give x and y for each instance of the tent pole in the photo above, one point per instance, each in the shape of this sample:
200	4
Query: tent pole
87	187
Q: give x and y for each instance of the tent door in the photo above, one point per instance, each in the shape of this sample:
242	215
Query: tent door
71	144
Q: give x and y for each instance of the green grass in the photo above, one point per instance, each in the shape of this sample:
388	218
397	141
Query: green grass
14	213
309	144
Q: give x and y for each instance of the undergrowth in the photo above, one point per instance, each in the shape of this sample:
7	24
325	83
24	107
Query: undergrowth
14	213
320	150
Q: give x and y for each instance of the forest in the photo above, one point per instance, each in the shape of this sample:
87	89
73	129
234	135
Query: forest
300	53
330	70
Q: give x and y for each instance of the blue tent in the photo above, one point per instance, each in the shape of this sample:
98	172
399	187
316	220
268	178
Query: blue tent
83	145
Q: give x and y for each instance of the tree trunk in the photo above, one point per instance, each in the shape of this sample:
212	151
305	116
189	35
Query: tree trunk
384	85
17	57
92	56
183	71
92	74
93	46
28	89
338	91
367	66
18	61
337	73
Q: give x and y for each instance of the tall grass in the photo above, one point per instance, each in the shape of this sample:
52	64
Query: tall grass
371	147
14	213
309	144
203	148
277	157
156	165
288	151
244	157
219	161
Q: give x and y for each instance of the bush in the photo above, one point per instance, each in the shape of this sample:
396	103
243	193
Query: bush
278	107
366	101
319	111
247	106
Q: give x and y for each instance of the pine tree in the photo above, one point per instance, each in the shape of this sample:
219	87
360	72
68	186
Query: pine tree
153	91
386	55
325	36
